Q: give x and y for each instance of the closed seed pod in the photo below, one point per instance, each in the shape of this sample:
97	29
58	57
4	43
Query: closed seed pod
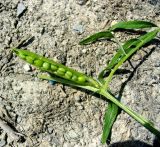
68	75
81	79
29	59
38	63
46	65
53	67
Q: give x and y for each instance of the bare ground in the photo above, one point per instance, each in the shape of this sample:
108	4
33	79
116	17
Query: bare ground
37	113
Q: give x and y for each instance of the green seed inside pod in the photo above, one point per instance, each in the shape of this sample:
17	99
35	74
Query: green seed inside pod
53	67
61	71
29	59
81	79
74	78
22	56
68	75
38	63
46	65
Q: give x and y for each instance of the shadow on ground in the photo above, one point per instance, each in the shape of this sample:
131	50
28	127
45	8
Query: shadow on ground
135	143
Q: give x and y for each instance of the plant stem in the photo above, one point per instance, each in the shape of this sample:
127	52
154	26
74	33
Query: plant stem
147	124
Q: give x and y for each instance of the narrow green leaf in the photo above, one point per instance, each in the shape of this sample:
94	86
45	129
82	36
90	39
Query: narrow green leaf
130	47
148	36
97	36
116	58
120	53
135	24
109	119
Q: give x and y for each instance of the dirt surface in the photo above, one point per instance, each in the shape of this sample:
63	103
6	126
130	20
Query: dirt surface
39	113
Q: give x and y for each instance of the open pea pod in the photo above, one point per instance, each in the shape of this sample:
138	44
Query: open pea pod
131	25
55	68
97	36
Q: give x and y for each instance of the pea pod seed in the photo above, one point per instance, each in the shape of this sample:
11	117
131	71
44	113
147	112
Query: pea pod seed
53	67
46	65
68	75
61	71
29	59
38	63
74	78
81	79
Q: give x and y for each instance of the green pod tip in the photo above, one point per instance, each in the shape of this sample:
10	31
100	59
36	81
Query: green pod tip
21	55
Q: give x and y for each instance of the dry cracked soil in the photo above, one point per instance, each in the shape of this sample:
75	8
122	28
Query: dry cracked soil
47	114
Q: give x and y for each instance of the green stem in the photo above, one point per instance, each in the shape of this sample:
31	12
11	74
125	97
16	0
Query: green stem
133	114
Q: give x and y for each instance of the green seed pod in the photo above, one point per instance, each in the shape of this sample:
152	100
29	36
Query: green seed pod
81	79
53	67
29	59
68	75
46	65
38	63
74	78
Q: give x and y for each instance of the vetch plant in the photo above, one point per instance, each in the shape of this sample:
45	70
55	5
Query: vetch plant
69	76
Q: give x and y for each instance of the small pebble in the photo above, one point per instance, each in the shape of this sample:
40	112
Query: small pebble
52	82
8	107
157	64
21	8
27	67
81	2
2	143
72	135
78	28
19	119
113	22
50	130
84	51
